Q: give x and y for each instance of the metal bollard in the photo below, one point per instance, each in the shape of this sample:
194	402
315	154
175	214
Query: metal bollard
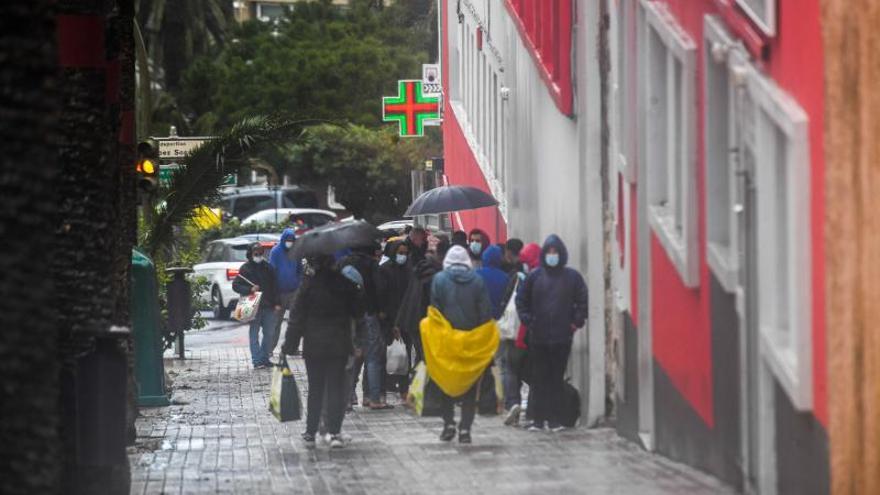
179	305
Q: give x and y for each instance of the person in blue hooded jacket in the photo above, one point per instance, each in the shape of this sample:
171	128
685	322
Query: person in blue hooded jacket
287	277
495	278
552	304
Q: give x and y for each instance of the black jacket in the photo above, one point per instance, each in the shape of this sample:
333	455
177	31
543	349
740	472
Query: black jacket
418	295
260	274
368	267
323	312
393	281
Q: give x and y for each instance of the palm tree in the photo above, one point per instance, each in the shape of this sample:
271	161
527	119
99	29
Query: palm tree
175	32
198	182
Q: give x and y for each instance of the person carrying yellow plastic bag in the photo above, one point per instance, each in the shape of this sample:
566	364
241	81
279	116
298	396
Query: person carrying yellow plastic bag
460	338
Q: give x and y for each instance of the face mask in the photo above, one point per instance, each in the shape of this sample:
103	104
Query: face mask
288	244
258	259
525	268
476	247
551	259
401	259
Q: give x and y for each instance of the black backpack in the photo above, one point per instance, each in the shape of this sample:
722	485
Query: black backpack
571	406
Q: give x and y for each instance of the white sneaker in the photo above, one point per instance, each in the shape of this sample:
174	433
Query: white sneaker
336	442
512	418
557	428
536	427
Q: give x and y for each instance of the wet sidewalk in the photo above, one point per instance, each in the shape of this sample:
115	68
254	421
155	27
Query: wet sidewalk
221	438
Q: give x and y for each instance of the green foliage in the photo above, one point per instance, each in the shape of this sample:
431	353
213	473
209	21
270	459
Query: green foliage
320	61
370	169
199	180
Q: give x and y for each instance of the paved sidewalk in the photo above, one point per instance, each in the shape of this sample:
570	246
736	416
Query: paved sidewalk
223	439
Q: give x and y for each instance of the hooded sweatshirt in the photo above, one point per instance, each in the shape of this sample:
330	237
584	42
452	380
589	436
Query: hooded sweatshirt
287	271
531	255
495	278
459	293
485	242
553	299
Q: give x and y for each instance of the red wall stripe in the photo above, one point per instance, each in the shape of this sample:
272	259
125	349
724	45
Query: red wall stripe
539	24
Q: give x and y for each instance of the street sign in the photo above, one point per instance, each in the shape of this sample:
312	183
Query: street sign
167	170
175	148
411	108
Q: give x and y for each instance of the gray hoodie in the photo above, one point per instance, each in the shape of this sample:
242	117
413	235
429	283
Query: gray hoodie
459	293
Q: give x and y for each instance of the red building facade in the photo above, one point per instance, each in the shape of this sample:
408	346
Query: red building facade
709	147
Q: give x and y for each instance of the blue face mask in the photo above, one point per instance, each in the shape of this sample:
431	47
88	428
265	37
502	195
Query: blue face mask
552	259
401	259
476	247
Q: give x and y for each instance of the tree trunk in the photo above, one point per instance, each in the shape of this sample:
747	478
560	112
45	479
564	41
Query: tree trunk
29	438
852	240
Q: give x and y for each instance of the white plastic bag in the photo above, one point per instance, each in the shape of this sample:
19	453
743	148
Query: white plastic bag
247	307
508	324
396	359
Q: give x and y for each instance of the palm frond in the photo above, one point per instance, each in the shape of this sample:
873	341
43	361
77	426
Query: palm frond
201	176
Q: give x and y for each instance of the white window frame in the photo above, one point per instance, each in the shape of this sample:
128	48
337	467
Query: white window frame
624	106
787	348
723	57
680	244
480	105
765	20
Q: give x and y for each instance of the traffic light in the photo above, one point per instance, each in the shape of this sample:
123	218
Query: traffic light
147	166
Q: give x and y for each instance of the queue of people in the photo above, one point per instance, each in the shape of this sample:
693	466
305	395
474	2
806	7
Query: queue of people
346	310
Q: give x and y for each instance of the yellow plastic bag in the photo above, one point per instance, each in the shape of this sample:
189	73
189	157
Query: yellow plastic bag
457	358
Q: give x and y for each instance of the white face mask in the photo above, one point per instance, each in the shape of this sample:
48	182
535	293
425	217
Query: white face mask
258	259
476	247
401	259
288	244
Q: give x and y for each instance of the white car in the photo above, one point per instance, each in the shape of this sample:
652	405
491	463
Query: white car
302	219
222	260
395	227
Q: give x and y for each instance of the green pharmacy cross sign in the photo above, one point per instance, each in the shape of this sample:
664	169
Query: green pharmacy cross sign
410	108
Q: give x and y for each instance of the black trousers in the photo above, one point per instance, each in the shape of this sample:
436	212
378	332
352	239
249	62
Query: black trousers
548	363
326	373
468	408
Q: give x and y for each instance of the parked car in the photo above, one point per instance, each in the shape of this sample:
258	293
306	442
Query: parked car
222	260
395	227
273	238
242	202
301	219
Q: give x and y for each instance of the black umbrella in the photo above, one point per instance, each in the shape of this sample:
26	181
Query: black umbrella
333	237
450	198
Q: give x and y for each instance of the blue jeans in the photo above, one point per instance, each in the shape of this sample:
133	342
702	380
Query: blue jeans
260	350
510	373
375	358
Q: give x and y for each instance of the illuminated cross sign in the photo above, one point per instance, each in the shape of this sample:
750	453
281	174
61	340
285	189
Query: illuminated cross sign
410	108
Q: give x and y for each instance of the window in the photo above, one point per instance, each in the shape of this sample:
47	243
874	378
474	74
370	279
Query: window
237	252
299	199
246	206
762	12
668	104
726	108
778	142
269	11
214	253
